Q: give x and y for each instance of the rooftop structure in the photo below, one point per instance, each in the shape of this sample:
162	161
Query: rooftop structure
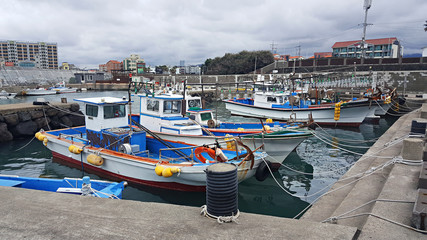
111	66
374	48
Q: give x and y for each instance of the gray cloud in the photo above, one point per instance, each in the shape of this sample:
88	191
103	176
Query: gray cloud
92	32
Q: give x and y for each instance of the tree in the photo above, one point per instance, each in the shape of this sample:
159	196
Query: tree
238	63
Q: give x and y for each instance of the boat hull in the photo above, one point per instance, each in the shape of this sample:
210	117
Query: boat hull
277	148
351	116
139	170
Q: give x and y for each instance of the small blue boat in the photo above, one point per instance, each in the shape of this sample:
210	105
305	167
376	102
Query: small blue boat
80	186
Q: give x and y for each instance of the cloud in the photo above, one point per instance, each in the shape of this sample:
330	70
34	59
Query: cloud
89	33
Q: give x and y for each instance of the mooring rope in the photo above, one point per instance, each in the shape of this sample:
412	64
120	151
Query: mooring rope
63	110
361	176
220	219
342	139
25	144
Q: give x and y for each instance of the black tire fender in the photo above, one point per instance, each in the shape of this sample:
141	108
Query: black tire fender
263	171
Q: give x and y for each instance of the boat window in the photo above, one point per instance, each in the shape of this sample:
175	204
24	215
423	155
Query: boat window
281	99
271	99
114	111
206	116
194	103
92	110
172	106
152	105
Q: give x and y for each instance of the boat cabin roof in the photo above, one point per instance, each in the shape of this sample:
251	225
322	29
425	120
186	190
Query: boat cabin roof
103	100
164	96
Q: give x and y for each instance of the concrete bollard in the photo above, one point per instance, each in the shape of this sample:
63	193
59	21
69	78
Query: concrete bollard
413	149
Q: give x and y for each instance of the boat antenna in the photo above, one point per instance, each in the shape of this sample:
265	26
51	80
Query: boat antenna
130	102
366	6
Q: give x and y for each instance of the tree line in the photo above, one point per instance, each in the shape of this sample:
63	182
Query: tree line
237	63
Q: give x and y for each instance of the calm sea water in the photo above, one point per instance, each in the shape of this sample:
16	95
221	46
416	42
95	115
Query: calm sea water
29	158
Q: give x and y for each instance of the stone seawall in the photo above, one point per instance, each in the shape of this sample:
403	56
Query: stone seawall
25	119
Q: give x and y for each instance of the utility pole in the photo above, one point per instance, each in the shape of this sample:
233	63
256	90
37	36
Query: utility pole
366	6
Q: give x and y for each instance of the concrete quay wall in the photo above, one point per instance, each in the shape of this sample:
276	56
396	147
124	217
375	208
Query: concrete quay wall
25	119
378	191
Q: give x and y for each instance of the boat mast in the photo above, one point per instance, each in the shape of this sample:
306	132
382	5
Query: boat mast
366	6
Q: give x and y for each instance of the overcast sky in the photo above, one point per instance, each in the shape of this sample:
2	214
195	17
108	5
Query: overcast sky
92	32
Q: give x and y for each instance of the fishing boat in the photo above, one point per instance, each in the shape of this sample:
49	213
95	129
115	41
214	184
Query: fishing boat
38	91
109	146
61	88
6	95
79	186
270	101
162	114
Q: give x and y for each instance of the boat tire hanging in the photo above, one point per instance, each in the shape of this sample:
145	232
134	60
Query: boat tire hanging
263	170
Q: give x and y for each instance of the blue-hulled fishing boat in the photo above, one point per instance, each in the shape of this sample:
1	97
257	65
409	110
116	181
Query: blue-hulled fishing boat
80	186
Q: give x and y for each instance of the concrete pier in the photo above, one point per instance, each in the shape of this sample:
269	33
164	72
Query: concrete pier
394	184
34	214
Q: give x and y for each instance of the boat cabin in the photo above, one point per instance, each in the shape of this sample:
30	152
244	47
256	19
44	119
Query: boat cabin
163	112
107	124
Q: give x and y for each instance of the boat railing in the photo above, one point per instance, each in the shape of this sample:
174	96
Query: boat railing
192	148
62	135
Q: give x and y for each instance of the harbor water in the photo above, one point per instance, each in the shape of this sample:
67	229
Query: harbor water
309	171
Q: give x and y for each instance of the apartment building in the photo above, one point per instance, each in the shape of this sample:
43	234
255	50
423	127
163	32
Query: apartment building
111	65
43	54
134	63
374	48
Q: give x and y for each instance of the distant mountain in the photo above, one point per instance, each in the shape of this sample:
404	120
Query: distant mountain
413	55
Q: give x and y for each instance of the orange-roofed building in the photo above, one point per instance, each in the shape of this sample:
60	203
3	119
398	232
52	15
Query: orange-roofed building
322	55
111	66
374	48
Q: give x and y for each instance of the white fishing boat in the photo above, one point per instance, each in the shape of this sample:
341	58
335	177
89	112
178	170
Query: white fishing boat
6	95
39	91
270	102
61	88
109	146
161	113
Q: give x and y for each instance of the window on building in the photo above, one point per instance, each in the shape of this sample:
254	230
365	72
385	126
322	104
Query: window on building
92	110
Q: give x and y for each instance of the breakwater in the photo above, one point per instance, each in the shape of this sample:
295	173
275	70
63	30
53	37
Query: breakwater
25	119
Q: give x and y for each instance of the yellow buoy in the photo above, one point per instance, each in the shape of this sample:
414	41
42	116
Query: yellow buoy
240	129
266	128
269	120
168	172
74	149
230	144
159	169
45	141
95	159
40	136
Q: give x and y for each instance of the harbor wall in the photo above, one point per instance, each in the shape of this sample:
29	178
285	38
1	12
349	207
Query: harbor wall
25	119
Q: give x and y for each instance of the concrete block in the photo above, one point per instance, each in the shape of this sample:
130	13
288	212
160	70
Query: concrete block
413	149
422	181
424	111
420	210
419	126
